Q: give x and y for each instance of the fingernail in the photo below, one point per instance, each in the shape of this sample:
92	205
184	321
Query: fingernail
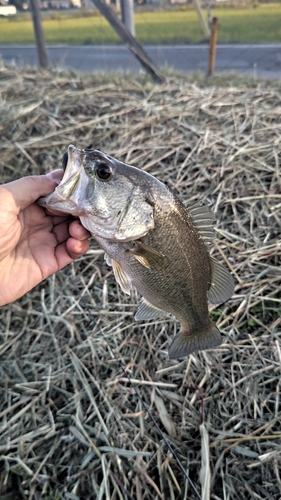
56	175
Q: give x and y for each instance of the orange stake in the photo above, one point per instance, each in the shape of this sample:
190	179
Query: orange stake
213	45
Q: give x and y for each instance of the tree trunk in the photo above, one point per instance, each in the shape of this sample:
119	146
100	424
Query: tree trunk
39	33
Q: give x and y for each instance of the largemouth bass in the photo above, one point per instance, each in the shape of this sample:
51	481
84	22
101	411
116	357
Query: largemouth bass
152	241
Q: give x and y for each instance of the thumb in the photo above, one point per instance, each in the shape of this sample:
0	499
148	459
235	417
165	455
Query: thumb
27	190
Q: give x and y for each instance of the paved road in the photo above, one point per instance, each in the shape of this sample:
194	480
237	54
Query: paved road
256	60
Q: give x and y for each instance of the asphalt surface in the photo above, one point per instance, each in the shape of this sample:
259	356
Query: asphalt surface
260	60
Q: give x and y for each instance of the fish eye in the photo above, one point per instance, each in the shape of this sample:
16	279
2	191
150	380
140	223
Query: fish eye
103	171
64	160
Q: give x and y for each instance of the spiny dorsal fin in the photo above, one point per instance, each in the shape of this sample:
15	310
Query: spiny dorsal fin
122	278
148	311
185	344
148	257
204	220
222	286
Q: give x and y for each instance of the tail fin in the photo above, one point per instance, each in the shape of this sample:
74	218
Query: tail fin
186	343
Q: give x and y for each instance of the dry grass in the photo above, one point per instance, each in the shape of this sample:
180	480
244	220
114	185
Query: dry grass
72	426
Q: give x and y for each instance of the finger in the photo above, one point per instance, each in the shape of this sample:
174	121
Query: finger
61	232
57	220
27	190
76	248
62	256
74	245
65	255
77	231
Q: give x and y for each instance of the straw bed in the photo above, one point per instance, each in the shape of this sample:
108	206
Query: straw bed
72	426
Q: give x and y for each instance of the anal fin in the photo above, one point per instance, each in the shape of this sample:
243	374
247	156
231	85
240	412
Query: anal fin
185	344
222	286
148	311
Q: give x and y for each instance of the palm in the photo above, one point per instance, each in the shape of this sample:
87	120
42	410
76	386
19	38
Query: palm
40	249
34	245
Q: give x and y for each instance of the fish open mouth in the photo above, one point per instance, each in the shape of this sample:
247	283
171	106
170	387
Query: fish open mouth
59	205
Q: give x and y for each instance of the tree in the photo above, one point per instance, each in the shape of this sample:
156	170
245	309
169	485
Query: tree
17	3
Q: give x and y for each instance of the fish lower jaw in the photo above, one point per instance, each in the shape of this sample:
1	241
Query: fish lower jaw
100	227
64	209
135	238
106	227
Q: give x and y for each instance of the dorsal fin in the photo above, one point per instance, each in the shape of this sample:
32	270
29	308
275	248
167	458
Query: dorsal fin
204	220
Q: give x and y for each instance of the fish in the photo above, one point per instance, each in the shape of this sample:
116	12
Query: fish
154	243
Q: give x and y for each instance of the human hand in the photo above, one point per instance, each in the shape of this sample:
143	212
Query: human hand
34	244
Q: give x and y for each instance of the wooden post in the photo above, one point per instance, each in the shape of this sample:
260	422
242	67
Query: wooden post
127	14
202	20
213	45
39	33
129	40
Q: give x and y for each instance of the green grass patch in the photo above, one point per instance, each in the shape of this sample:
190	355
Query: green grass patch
248	25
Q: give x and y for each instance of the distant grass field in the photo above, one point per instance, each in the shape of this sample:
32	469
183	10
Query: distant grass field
261	24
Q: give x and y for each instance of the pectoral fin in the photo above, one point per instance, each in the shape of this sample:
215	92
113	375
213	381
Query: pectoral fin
222	286
148	311
122	278
185	344
148	257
